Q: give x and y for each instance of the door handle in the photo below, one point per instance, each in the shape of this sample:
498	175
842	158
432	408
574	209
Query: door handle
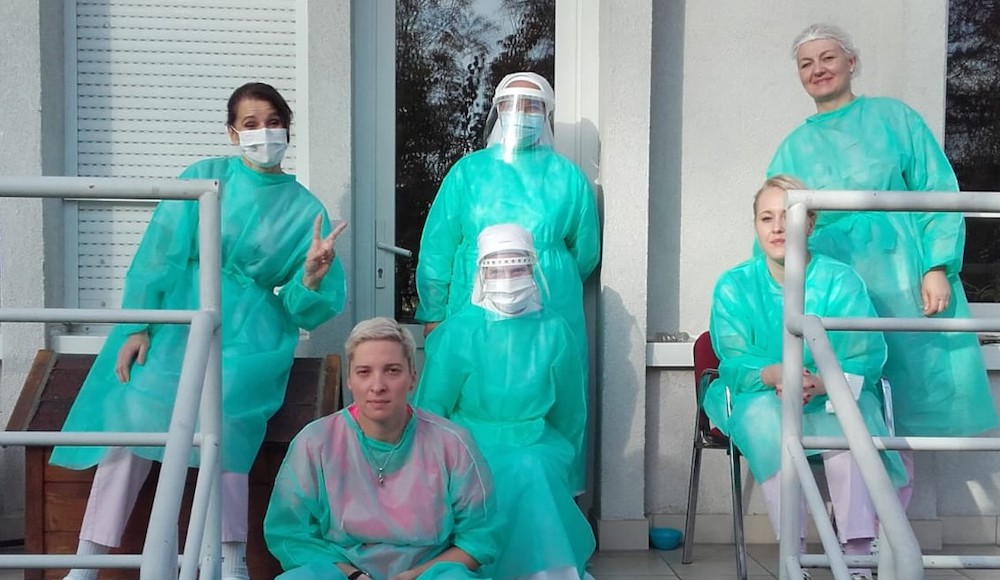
394	250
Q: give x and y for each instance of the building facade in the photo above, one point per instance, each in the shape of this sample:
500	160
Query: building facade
673	108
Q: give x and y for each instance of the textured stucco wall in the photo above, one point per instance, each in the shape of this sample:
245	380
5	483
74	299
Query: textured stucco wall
31	144
324	61
621	322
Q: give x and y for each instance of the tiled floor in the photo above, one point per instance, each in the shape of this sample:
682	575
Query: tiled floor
717	562
711	562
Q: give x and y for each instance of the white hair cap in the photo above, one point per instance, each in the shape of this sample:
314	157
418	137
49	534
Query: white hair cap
544	91
823	31
505	238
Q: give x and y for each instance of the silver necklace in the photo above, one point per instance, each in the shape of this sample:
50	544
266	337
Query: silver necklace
381	469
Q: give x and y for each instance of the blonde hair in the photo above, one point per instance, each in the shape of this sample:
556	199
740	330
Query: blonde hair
782	182
823	31
381	329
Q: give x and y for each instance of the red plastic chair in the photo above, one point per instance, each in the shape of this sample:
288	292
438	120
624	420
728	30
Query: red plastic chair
706	368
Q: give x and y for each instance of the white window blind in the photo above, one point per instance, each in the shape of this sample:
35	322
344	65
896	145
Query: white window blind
150	90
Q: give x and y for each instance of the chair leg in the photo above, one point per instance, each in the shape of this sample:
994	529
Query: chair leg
692	506
740	541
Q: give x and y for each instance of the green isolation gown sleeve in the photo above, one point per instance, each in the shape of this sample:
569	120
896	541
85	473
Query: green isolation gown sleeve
169	244
746	332
939	381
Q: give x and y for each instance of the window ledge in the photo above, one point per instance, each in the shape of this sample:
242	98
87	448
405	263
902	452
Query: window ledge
678	355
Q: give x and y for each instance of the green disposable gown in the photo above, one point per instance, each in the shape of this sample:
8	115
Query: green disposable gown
517	385
746	334
939	382
267	224
539	190
327	506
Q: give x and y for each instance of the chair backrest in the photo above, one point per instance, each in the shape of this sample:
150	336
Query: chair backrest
706	362
704	356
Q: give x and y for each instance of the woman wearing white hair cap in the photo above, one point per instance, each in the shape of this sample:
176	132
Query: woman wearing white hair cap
517	178
909	261
505	367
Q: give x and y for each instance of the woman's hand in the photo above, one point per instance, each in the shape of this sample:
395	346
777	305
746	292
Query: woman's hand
321	254
771	376
812	386
935	291
410	574
134	350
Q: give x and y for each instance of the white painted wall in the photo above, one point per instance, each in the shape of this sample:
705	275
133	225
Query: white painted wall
624	126
31	143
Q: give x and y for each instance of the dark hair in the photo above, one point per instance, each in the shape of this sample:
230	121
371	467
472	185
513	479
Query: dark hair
260	92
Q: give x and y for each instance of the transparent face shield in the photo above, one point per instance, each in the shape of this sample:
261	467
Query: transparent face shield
519	120
505	284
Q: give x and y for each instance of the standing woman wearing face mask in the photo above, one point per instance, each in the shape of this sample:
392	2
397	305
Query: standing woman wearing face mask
505	367
518	178
275	233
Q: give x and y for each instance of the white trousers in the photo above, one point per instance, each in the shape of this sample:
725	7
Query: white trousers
117	483
852	506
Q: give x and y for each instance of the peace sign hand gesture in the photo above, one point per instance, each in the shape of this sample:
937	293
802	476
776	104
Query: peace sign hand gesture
321	254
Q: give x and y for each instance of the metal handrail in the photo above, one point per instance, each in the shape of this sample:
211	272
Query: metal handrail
901	556
198	394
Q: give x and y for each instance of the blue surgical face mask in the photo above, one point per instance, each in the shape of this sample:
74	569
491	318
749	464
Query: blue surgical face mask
521	130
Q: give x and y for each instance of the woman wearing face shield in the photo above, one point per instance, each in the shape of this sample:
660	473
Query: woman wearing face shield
506	368
910	261
275	233
517	178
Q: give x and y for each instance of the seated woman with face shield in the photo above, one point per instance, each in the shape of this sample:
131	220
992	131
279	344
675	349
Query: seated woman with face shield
507	369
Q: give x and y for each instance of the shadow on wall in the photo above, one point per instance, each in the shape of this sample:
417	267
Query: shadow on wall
665	150
617	397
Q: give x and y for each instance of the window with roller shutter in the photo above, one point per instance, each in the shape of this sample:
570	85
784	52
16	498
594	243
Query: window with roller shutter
148	91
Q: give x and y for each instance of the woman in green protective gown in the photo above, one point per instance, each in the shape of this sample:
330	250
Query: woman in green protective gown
506	368
518	178
909	261
746	331
275	234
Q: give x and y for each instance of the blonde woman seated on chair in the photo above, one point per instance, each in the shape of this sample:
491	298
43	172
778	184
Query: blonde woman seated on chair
746	329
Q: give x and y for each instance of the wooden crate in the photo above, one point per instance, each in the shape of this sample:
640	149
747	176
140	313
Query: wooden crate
55	498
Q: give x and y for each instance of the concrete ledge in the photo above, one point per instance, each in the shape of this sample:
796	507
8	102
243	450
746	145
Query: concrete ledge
622	535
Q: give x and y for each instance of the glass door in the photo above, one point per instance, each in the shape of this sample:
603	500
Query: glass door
424	75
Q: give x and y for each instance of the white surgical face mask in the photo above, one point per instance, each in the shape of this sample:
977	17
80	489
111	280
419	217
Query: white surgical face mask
264	147
521	130
510	296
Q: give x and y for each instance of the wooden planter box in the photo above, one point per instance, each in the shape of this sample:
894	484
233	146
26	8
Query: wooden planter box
55	498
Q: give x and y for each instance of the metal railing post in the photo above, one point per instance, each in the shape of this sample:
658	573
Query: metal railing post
892	518
199	384
791	366
209	228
